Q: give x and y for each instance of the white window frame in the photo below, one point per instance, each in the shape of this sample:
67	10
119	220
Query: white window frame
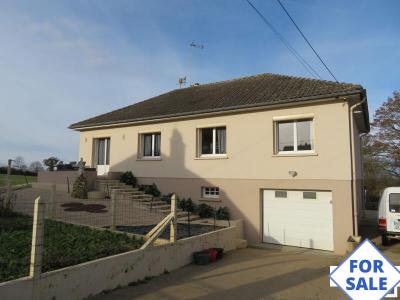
152	156
294	122
214	140
211	192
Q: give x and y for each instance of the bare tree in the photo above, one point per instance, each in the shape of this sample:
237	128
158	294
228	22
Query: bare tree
384	144
19	163
36	166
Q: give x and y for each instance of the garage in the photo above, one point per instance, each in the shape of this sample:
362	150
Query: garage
298	218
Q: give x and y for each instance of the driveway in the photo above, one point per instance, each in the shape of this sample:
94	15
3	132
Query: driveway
273	273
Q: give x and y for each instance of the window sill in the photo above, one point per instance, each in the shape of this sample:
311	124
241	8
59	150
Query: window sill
210	199
149	159
295	154
212	157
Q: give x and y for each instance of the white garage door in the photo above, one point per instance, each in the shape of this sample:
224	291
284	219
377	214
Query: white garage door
298	218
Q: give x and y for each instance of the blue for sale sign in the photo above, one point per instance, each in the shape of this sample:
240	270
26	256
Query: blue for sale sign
366	274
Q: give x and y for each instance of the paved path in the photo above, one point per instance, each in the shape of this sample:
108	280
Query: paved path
90	212
244	274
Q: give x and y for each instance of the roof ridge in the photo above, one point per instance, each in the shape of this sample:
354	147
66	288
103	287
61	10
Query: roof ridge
267	74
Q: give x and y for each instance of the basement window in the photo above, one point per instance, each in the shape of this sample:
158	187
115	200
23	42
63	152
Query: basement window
210	192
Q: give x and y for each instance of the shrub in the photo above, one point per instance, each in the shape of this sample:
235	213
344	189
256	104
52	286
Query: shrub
167	198
128	178
187	205
223	213
205	211
150	189
14	171
190	206
181	203
80	189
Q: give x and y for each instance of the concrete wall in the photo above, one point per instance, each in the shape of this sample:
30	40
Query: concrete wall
93	277
59	178
244	200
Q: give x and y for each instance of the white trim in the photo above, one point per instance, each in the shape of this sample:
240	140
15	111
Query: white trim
295	144
212	156
214	142
152	144
210	195
294	117
141	146
149	131
211	125
150	158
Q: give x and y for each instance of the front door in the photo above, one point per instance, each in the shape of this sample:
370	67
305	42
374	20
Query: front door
102	155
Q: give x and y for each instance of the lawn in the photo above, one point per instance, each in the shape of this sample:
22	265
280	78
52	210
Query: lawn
64	245
16	179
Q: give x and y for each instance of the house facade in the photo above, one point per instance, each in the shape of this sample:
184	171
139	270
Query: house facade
282	153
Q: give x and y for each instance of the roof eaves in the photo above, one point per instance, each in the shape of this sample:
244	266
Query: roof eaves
77	126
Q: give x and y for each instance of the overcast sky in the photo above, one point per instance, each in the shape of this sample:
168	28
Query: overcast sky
64	61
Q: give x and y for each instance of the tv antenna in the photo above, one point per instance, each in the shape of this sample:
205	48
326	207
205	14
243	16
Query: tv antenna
198	46
181	81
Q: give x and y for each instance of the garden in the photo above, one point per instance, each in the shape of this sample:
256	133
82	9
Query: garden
64	245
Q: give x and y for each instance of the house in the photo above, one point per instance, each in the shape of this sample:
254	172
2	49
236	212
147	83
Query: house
281	152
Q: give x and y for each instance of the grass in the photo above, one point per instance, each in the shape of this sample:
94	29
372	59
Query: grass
64	245
16	179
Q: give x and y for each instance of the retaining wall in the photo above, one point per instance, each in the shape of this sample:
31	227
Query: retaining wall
91	278
59	178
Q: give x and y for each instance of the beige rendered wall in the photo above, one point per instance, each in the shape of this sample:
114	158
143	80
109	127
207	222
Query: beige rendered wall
250	164
250	147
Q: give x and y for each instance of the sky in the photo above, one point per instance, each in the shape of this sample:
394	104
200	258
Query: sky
67	60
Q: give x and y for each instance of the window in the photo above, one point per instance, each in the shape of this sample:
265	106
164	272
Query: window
212	141
310	195
102	151
150	145
394	202
280	194
294	136
210	192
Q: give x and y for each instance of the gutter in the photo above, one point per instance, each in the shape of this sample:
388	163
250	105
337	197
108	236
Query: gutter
353	165
219	111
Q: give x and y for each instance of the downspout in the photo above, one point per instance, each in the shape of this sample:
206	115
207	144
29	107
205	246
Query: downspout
364	198
353	167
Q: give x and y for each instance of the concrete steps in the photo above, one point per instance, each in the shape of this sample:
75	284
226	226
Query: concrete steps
95	195
184	218
104	186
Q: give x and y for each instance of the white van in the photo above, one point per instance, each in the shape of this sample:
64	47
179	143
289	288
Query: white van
389	215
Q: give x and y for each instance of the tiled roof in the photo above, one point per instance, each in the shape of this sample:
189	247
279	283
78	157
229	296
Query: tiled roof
253	91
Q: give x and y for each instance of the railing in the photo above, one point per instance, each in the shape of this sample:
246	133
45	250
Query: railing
160	228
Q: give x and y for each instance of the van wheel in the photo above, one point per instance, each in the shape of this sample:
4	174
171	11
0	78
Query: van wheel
385	240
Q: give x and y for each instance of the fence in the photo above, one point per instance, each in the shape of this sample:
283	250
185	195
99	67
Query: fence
48	217
117	260
112	213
